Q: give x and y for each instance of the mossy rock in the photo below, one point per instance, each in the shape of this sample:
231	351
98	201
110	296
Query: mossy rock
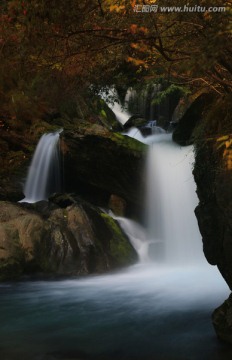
135	121
105	114
76	240
104	162
121	250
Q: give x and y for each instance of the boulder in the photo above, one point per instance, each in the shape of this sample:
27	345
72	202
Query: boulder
135	121
117	205
98	163
47	239
183	132
106	116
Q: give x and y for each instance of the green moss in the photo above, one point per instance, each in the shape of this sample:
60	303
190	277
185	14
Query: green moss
103	113
112	223
128	142
120	248
100	108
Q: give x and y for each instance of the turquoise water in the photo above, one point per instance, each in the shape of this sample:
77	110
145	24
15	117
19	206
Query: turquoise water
145	312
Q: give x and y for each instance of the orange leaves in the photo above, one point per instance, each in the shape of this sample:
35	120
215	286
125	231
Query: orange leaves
117	8
134	28
133	3
137	62
141	47
227	156
226	142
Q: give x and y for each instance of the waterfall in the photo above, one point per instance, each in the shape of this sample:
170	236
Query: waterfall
44	172
172	235
140	101
112	99
171	200
146	311
137	236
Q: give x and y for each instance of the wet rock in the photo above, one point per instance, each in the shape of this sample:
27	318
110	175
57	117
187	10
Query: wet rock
222	320
117	205
76	240
135	121
98	163
105	115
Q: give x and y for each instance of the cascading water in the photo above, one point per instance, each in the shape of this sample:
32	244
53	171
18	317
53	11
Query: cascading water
140	101
154	311
172	236
171	200
137	236
44	176
121	113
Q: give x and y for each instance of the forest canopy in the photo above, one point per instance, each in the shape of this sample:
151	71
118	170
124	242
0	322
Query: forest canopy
50	47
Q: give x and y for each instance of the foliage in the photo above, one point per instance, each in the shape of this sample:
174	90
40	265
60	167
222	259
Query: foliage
51	49
171	90
215	131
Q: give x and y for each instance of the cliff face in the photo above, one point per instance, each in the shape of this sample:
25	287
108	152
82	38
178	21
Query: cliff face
213	176
214	211
184	132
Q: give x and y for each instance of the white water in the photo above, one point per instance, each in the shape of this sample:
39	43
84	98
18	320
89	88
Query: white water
145	312
138	237
112	100
154	310
44	172
171	200
141	101
173	237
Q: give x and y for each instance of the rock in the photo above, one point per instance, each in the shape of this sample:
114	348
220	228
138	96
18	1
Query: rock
183	133
106	116
213	176
222	320
75	240
117	205
98	163
135	121
18	144
19	232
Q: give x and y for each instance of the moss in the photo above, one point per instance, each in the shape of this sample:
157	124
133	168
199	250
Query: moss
128	142
103	113
120	248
